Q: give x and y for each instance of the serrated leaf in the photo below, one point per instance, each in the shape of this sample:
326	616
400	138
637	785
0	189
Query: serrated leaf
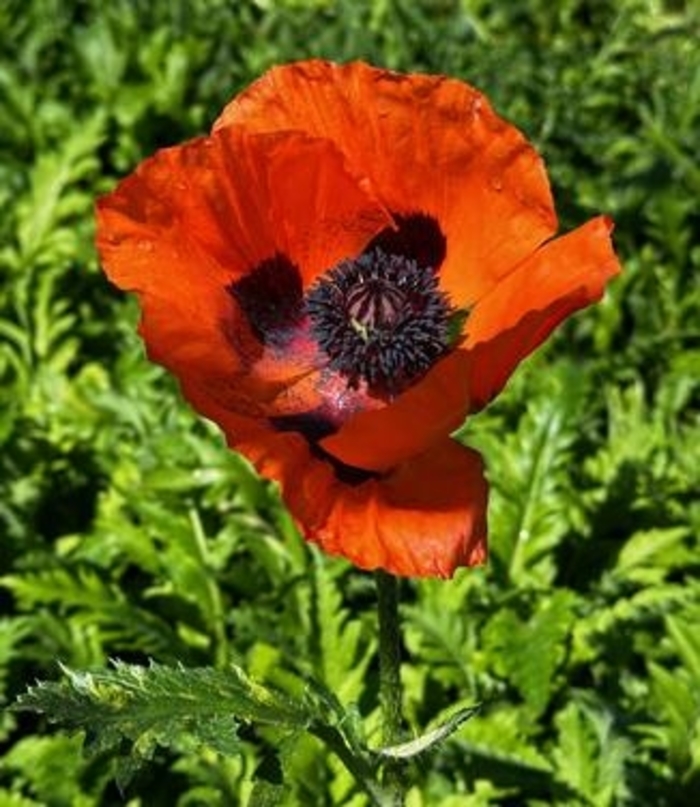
531	480
687	642
679	711
529	652
590	755
96	602
658	549
158	705
83	588
52	198
344	650
499	743
577	750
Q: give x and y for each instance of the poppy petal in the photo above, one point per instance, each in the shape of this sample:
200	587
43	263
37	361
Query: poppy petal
198	349
561	277
242	199
193	343
424	519
196	221
431	146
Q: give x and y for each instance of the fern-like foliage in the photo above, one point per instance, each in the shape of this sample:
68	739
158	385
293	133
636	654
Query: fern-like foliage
590	755
533	505
529	652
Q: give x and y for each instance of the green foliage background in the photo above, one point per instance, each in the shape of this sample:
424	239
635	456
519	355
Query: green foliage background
128	531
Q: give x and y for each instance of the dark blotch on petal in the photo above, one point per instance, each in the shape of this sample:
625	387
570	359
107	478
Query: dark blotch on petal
418	237
347	474
271	297
314	426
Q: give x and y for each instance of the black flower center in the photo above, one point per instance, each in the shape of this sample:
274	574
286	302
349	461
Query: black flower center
381	319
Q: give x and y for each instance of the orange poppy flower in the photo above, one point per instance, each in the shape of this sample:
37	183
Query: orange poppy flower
349	265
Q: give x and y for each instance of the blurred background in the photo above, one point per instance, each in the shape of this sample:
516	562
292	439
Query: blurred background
128	531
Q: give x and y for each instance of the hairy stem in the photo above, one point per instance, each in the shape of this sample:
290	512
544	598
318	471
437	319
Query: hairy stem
390	692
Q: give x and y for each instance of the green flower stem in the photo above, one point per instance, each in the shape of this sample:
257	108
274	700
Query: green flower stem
390	691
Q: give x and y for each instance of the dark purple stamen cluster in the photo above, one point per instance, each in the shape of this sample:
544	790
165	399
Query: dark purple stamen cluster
380	318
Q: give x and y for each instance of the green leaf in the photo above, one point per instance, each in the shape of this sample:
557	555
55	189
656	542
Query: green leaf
649	555
678	711
529	652
498	745
431	738
591	755
54	197
687	642
530	469
505	735
90	600
168	706
344	647
577	750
